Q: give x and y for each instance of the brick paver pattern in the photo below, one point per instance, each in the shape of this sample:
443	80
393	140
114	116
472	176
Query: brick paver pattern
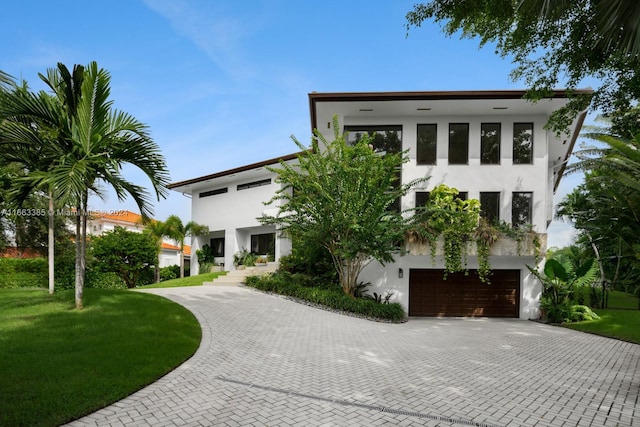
268	361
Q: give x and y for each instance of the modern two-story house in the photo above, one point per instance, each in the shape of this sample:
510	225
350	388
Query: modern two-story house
490	145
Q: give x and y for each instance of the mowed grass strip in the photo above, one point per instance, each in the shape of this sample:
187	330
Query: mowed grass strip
186	281
622	322
58	363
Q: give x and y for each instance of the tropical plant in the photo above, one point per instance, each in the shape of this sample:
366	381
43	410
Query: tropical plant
558	284
101	141
341	197
158	231
554	43
179	232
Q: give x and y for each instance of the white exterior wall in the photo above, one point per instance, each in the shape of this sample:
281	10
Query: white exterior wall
473	178
233	215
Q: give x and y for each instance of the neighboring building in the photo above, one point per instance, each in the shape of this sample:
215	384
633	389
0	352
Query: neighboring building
490	145
102	221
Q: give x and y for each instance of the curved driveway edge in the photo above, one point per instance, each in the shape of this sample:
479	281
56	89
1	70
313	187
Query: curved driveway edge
265	360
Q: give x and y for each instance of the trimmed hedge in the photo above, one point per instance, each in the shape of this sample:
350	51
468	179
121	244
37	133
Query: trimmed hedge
335	299
23	272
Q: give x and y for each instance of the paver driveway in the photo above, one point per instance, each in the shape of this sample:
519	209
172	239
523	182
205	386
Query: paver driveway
265	360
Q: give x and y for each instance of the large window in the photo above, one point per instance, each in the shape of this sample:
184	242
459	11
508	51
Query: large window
217	246
523	143
263	244
427	143
521	208
490	143
458	143
386	138
490	206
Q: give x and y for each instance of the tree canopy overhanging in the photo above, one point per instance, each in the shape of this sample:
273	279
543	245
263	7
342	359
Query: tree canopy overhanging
554	43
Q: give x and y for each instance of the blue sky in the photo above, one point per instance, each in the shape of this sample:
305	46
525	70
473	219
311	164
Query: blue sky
224	83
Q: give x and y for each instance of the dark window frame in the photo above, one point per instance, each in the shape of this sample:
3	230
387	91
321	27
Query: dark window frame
485	159
421	199
427	151
515	214
518	157
213	192
491	217
263	239
217	249
253	184
461	160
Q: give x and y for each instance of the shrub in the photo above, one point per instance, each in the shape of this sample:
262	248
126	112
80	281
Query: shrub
169	273
103	280
334	297
23	272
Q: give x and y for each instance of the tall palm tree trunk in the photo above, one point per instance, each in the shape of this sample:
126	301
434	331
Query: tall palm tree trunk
79	289
51	243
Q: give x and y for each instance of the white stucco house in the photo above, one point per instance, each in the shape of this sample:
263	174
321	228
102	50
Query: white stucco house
490	145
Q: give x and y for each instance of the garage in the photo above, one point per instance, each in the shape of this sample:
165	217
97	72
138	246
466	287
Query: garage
460	295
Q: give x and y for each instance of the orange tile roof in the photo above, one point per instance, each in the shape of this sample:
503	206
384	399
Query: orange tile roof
187	249
123	216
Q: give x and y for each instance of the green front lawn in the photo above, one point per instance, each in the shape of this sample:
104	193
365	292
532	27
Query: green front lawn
58	363
187	281
615	323
621	322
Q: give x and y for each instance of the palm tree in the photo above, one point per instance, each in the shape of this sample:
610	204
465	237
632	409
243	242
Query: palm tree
102	141
32	137
179	232
157	230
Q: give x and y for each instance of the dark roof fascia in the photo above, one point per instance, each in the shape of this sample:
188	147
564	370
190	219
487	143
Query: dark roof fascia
315	97
580	121
235	170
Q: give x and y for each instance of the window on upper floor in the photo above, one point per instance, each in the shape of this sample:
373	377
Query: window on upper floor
253	184
458	143
427	143
213	192
422	197
523	143
490	206
521	208
386	138
462	195
490	143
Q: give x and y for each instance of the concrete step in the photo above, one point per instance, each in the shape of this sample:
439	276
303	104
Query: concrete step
235	277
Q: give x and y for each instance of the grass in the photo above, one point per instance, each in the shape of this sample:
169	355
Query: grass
58	363
622	322
187	281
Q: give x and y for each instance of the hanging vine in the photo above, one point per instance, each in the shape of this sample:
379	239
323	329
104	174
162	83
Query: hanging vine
458	222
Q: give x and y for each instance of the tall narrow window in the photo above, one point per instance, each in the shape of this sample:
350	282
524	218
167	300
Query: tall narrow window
427	144
458	143
386	139
490	143
490	206
521	208
522	143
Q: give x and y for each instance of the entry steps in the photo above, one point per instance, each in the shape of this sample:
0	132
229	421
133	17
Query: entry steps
235	277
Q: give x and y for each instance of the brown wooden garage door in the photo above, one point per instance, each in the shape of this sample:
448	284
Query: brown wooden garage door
464	295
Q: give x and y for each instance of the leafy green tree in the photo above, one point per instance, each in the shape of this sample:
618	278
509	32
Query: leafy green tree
179	232
128	254
554	43
341	196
